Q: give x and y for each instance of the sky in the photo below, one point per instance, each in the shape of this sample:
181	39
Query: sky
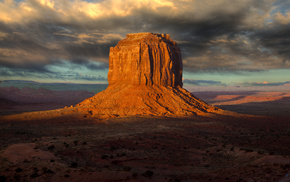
222	42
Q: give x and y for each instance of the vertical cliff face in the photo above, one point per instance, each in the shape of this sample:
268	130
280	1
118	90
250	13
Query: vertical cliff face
145	59
145	78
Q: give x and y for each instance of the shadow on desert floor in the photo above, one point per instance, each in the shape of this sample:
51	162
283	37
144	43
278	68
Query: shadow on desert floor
224	148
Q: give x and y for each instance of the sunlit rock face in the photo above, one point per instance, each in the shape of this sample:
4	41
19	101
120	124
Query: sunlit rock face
145	78
145	59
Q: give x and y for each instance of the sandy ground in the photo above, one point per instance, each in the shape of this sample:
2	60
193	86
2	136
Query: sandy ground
212	147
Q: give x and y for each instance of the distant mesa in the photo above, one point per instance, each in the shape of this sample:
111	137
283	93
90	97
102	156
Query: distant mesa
145	78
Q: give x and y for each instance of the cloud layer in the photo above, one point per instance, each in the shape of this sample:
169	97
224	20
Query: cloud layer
221	35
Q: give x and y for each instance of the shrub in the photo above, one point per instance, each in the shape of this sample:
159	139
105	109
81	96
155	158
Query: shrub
148	174
104	156
51	147
74	164
76	142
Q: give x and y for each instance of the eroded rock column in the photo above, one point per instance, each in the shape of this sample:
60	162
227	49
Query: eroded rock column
145	59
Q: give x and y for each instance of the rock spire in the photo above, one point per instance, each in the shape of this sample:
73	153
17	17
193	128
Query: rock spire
145	78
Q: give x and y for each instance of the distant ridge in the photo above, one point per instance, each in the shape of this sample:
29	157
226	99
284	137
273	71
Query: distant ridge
54	86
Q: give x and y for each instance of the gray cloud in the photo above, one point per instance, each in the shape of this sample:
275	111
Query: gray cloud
222	35
89	64
202	82
64	76
276	39
266	84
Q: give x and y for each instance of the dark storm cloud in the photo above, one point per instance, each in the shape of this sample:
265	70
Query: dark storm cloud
199	35
40	45
221	35
4	28
275	39
88	50
193	35
201	30
89	64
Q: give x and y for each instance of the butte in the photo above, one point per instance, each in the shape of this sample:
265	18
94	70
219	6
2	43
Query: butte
145	78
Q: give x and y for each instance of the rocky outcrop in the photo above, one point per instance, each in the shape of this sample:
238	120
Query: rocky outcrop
145	78
145	59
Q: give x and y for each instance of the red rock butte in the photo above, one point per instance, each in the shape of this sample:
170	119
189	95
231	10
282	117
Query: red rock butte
145	78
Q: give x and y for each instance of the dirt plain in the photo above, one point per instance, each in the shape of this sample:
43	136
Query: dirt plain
211	147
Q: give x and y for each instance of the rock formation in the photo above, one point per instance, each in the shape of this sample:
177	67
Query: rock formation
145	78
145	59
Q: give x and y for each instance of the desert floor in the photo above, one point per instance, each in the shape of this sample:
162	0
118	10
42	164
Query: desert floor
212	147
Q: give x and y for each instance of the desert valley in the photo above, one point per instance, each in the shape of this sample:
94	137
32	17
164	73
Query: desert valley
201	148
145	127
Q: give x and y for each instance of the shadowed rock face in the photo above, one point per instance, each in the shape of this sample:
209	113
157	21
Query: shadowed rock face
145	78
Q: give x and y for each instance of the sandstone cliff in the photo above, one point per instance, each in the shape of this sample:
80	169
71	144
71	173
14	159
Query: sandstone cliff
145	59
145	78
